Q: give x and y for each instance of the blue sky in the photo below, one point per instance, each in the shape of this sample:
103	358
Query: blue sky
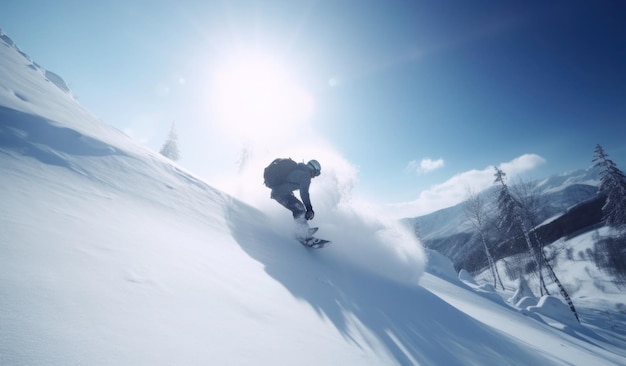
417	95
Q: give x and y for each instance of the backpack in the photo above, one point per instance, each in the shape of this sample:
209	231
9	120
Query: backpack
276	173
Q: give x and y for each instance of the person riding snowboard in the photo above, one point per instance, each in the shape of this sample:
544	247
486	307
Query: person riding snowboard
284	176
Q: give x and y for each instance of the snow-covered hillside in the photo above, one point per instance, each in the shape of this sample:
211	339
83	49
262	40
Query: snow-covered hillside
113	255
560	192
562	199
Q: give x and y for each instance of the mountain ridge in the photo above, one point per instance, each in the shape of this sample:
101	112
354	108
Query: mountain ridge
565	198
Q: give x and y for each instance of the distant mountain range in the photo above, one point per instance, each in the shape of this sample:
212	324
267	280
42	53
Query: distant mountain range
568	204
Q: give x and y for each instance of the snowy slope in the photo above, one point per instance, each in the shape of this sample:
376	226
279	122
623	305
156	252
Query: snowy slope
112	255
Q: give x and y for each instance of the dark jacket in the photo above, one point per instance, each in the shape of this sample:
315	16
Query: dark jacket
297	179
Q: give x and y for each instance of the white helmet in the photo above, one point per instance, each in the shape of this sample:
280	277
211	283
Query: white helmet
315	166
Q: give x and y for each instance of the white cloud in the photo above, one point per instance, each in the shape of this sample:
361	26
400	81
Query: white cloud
454	190
521	164
425	166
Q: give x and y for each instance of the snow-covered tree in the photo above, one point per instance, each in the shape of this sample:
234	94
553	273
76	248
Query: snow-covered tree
529	200
170	147
511	218
474	208
613	186
520	211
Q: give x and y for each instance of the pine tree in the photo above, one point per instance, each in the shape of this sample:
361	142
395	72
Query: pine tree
613	186
170	147
511	217
521	211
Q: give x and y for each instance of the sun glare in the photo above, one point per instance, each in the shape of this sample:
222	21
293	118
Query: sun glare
256	97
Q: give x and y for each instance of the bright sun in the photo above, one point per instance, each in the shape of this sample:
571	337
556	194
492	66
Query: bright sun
255	97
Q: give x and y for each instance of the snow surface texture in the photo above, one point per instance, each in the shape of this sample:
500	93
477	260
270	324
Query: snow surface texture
112	255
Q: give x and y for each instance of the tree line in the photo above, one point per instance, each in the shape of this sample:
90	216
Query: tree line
516	222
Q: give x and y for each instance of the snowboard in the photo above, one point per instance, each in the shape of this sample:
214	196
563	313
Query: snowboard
315	243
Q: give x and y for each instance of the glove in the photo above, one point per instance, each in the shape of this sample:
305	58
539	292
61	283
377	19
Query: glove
309	214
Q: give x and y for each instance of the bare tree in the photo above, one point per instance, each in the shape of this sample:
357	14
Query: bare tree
529	201
474	209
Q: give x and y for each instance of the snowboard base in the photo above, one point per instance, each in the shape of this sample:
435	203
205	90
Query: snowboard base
314	243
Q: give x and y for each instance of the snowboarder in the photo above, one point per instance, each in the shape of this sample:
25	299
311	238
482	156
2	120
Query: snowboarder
284	176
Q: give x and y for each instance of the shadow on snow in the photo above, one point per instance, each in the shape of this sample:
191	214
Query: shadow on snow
39	138
412	324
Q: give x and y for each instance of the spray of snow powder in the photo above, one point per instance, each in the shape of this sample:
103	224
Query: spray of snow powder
362	235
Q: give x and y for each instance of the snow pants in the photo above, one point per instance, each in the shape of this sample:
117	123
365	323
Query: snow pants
288	200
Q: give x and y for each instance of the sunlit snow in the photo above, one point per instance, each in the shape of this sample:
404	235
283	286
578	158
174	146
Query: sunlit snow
112	255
